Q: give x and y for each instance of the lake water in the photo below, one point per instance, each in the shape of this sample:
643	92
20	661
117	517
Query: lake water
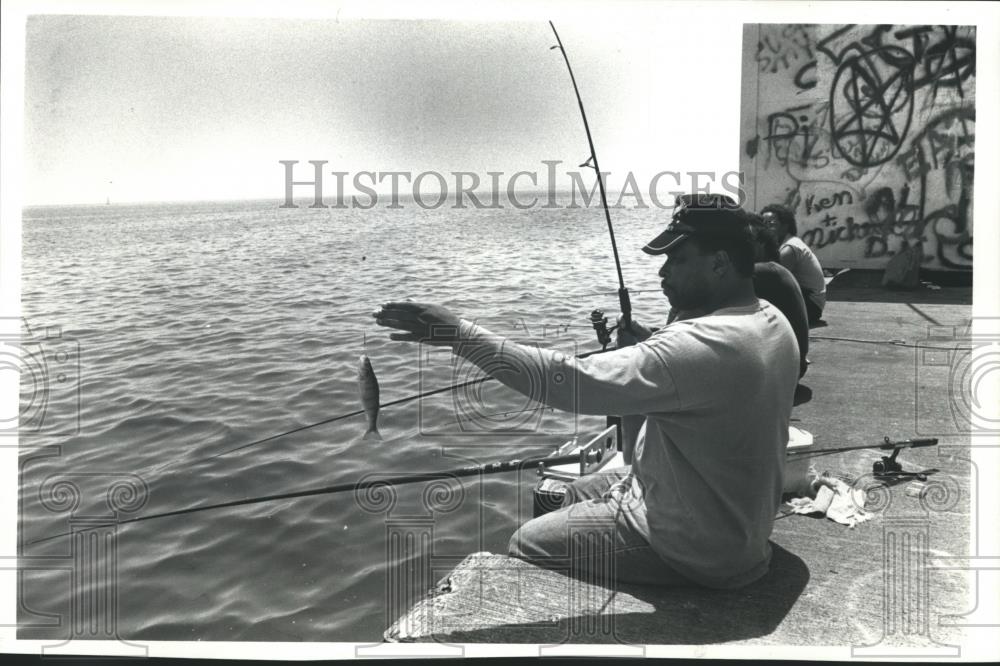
186	330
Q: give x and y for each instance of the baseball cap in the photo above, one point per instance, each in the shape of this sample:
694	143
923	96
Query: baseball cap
701	214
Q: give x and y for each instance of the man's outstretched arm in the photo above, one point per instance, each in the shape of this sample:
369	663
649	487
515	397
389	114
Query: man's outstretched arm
633	380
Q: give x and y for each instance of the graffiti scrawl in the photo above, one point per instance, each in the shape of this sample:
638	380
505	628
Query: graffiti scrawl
868	133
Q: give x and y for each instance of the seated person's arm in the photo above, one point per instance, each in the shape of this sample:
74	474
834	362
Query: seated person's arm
787	257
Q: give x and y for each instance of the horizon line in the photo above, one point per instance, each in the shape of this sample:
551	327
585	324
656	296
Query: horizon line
379	195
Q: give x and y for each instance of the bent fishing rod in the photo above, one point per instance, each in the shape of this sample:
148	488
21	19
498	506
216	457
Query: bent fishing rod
623	297
583	456
604	332
624	300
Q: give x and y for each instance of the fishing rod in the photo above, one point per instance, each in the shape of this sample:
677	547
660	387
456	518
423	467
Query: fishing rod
623	297
886	444
887	466
623	294
583	456
603	333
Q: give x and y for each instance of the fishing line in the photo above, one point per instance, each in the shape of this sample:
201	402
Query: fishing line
334	419
509	412
893	343
341	417
548	325
453	387
613	293
623	296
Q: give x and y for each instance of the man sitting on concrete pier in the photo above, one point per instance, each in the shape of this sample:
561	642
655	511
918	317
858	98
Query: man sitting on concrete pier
796	256
776	285
697	504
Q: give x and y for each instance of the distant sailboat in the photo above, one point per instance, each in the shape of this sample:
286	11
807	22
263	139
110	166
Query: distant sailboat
107	201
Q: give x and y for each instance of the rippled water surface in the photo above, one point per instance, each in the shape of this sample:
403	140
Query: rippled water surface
165	335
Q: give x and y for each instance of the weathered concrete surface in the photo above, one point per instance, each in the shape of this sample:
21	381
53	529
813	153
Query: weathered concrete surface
828	584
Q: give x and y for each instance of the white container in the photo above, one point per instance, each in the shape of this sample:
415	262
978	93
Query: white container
797	465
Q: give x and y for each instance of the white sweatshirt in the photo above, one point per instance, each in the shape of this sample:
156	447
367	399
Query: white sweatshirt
716	392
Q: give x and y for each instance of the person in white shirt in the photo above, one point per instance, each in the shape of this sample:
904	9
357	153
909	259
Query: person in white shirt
715	392
796	256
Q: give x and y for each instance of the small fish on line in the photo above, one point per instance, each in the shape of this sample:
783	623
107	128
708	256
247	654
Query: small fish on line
368	388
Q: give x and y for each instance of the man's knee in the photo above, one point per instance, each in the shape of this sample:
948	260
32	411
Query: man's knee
592	486
517	547
526	543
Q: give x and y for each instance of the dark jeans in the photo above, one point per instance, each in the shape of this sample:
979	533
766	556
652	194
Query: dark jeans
595	537
813	312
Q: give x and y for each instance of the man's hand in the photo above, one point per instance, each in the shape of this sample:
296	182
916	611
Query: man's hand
635	332
618	490
422	322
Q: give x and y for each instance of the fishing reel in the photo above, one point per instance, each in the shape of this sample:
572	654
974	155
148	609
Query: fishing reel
889	467
600	324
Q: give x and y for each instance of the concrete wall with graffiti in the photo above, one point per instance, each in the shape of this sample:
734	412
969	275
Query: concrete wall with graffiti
867	133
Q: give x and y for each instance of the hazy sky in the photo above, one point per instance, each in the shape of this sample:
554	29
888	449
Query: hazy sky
172	108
